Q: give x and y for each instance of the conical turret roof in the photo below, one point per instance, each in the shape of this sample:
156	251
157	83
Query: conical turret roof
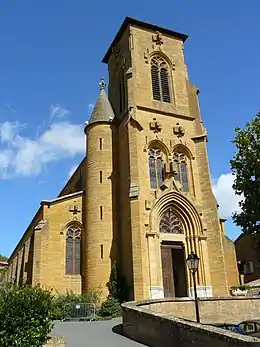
103	110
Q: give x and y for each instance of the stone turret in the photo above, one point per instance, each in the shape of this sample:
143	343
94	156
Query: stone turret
100	204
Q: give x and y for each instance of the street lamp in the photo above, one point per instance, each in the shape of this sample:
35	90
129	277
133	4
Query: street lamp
193	264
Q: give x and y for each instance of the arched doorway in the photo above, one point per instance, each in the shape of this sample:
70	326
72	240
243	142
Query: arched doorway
175	230
173	255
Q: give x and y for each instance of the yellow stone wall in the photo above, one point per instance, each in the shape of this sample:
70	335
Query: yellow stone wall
53	244
40	255
20	263
100	212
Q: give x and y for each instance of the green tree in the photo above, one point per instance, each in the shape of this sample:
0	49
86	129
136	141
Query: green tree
117	284
245	166
3	257
24	316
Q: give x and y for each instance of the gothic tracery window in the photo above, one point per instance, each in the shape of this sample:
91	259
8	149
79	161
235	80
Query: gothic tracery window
170	223
155	168
160	79
73	250
180	166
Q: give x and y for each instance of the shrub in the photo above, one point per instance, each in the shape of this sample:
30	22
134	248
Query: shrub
117	286
241	287
24	316
110	308
60	301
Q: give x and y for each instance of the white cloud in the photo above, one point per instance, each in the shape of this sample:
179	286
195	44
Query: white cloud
225	195
6	156
58	112
72	170
8	130
91	106
25	156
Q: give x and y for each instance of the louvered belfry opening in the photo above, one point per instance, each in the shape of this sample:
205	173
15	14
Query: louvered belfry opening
160	79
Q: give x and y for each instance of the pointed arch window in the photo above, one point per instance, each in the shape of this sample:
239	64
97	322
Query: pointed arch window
170	223
155	168
160	79
73	250
180	165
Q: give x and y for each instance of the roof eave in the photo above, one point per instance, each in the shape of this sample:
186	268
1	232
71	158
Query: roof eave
128	21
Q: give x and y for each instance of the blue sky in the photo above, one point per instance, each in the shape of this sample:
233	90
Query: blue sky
50	65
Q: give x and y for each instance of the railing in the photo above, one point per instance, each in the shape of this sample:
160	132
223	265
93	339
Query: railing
79	312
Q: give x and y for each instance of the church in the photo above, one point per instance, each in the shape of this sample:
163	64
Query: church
142	197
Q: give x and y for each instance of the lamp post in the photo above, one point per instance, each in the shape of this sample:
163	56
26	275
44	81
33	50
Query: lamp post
193	263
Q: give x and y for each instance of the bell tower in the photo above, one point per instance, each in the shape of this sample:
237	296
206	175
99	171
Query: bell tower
163	166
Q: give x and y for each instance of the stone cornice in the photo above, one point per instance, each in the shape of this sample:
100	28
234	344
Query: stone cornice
61	198
165	112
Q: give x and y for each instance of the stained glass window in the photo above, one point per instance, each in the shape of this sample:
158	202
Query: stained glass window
153	181
180	166
184	177
159	171
155	168
170	223
73	250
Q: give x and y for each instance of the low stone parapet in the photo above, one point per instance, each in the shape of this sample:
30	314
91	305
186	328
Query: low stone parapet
159	329
212	310
55	342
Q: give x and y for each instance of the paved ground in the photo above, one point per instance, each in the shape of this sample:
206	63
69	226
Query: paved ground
94	334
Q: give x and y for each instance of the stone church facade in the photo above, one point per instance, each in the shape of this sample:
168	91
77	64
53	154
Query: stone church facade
142	196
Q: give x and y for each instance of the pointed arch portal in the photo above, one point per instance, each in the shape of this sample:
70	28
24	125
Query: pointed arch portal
179	228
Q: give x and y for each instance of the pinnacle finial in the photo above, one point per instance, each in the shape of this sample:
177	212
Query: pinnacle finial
102	83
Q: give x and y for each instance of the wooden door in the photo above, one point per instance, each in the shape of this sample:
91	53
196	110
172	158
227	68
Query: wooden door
167	272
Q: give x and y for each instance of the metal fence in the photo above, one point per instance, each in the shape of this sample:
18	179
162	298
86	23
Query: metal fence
80	311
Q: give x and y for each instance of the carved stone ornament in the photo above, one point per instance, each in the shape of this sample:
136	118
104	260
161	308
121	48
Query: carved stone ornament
155	126
157	38
146	56
75	210
178	130
153	234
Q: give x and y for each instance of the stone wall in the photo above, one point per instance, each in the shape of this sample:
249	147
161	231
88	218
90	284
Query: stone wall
158	329
212	310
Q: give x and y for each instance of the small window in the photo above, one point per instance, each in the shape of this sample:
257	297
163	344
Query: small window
100	177
101	212
101	251
100	143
